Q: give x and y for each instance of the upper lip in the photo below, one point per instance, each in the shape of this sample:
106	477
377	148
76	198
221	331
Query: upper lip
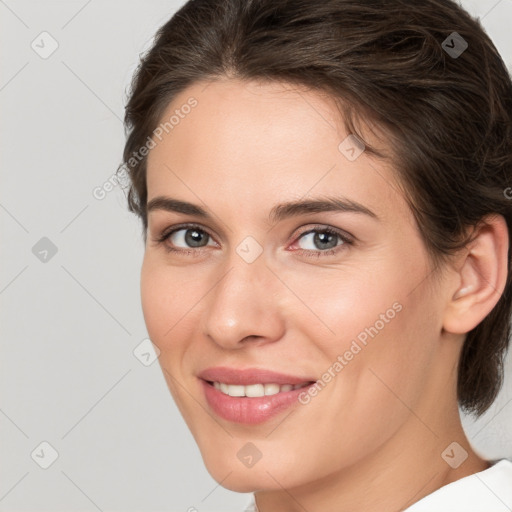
249	376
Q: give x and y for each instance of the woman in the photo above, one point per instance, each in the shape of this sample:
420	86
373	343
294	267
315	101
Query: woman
323	193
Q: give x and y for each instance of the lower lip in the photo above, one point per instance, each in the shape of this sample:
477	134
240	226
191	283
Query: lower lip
250	410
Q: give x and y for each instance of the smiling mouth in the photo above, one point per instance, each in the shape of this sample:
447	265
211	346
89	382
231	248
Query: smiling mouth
255	390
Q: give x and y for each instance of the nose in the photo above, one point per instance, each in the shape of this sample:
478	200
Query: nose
244	305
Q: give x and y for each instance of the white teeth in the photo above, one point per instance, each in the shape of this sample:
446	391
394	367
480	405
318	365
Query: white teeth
255	390
271	389
236	390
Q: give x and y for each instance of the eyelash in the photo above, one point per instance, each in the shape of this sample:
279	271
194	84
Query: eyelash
345	239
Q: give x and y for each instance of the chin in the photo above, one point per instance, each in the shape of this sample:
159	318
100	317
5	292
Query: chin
241	479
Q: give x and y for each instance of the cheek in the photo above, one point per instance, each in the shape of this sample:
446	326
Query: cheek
374	330
167	295
154	300
166	300
337	305
393	360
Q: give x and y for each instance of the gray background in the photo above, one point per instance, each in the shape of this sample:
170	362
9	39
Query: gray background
70	324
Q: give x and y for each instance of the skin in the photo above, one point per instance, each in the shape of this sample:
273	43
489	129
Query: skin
390	413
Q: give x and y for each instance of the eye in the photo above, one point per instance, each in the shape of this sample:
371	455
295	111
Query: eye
190	239
321	241
185	237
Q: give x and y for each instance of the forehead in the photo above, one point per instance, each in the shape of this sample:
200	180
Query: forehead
265	141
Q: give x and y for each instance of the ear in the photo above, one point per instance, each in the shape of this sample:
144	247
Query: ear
481	276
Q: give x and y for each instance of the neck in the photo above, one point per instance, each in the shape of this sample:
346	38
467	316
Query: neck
408	467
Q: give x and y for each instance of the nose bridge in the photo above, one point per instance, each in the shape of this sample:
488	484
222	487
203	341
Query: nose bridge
240	304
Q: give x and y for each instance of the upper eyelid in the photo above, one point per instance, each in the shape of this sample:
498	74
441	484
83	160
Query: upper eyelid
173	229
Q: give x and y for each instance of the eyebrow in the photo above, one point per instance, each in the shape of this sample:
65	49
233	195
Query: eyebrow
278	212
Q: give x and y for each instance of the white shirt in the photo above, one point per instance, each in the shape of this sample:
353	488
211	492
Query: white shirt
486	491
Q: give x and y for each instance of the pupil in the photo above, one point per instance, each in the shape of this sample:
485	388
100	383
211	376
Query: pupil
324	240
193	238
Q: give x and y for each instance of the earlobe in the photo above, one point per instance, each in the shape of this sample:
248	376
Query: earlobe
481	278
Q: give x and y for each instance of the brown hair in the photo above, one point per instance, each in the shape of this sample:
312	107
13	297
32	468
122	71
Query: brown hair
392	62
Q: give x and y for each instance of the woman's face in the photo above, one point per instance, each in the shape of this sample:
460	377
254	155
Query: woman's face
246	285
